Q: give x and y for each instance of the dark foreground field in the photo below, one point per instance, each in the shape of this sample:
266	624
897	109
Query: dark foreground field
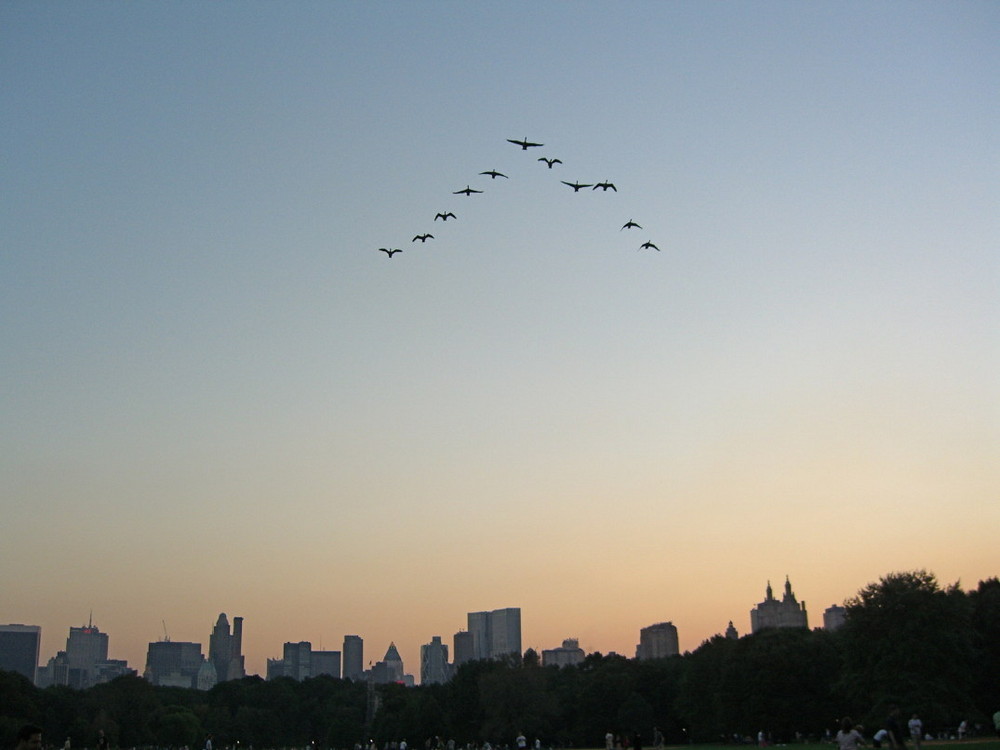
973	744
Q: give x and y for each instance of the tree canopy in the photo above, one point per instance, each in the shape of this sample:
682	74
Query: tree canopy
906	640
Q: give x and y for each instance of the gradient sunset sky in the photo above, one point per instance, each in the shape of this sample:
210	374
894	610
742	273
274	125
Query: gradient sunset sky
218	396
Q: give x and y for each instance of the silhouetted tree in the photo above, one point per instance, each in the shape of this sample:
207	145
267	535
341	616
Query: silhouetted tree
908	642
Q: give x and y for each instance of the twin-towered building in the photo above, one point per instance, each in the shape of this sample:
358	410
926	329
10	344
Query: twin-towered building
772	613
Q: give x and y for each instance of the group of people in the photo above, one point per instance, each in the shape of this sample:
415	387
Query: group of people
631	741
893	735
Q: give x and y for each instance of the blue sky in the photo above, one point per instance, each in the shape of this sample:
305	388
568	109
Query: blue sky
221	396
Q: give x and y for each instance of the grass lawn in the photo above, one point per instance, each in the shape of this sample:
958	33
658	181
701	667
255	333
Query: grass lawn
978	743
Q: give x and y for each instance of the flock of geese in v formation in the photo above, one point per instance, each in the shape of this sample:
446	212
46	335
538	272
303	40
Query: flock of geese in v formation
525	144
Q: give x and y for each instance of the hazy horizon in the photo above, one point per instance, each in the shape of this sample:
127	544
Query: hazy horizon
219	396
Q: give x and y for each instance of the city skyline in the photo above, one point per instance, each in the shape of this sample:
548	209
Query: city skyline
415	650
220	396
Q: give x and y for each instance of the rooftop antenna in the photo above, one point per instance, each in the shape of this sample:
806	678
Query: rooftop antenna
166	636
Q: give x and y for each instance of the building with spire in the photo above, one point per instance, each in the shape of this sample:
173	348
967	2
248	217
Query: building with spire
390	669
85	661
772	613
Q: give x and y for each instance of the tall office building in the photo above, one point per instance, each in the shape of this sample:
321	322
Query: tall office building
496	634
84	663
434	662
297	658
390	669
657	642
19	646
464	648
300	662
326	662
173	663
86	649
225	649
771	613
354	657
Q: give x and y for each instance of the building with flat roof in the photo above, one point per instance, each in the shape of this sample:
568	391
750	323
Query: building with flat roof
434	667
173	663
566	655
657	641
19	648
353	657
464	649
496	634
834	617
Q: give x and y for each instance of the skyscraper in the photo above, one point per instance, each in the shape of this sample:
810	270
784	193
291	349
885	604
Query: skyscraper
225	649
434	662
19	646
297	659
771	613
354	657
657	642
464	648
390	669
173	663
326	662
86	649
496	634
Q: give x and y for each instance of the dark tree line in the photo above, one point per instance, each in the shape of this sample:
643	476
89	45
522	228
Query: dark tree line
906	641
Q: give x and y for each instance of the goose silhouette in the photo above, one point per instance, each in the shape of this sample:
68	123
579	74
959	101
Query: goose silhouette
525	144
